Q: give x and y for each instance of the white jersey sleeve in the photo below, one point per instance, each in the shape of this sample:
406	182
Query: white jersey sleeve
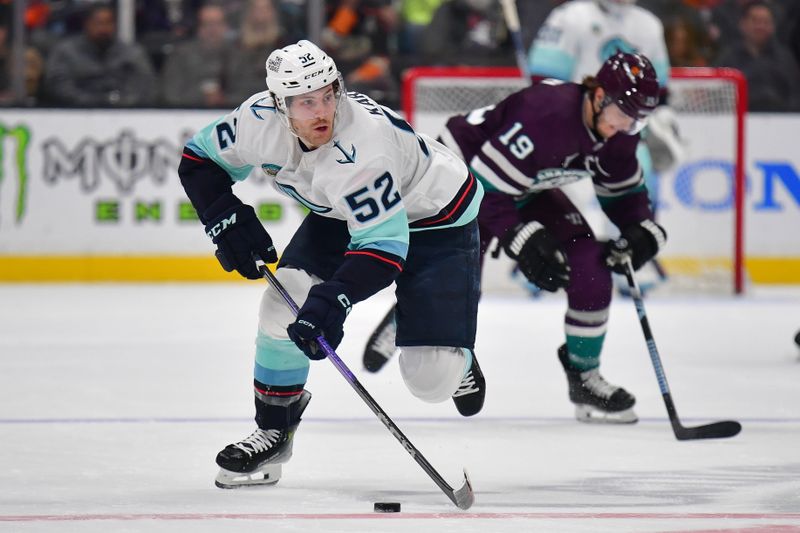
243	138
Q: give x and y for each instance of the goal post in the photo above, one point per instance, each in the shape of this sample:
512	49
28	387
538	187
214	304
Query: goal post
706	191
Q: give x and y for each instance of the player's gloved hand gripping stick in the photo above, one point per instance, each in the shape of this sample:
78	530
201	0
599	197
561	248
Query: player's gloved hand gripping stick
463	497
716	430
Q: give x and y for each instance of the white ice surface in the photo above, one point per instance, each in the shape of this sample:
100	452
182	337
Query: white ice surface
114	400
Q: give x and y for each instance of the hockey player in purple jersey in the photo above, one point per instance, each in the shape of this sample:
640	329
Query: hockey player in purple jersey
524	150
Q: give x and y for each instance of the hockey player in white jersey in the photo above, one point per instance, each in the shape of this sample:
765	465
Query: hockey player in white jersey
580	35
386	205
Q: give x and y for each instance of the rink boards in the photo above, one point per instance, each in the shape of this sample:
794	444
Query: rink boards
94	195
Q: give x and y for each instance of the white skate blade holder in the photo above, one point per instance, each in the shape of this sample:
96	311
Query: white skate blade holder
592	415
266	475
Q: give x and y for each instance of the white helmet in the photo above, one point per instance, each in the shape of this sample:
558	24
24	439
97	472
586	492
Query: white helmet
298	69
615	6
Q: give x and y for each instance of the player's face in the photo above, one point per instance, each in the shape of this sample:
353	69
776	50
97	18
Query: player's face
312	115
612	121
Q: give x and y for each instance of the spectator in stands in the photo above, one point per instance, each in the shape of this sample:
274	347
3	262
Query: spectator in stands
194	73
95	69
34	65
532	15
358	35
684	44
772	74
261	32
789	27
415	15
161	25
467	32
712	22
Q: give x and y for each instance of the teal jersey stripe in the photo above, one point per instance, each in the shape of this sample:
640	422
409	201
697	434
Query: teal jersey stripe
469	214
397	248
203	140
389	236
194	147
281	378
279	362
551	63
606	201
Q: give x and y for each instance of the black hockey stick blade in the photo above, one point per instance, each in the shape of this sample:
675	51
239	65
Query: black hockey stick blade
716	430
464	497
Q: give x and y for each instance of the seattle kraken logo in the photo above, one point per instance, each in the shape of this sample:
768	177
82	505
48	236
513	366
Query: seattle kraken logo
615	45
348	158
256	107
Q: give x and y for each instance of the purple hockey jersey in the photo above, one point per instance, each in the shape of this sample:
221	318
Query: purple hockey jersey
535	140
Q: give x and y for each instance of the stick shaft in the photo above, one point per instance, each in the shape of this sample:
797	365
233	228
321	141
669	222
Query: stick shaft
511	16
716	430
365	396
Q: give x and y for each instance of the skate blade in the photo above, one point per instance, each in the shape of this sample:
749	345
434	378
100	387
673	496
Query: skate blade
268	475
592	415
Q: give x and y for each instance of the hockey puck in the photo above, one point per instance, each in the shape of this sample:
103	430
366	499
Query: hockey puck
387	507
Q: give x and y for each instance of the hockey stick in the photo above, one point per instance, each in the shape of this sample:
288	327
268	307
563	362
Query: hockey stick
464	497
511	16
716	430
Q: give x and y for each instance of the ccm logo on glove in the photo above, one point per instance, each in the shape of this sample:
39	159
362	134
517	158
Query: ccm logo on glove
221	226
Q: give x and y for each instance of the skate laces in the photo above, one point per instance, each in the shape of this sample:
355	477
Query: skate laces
467	385
261	440
593	381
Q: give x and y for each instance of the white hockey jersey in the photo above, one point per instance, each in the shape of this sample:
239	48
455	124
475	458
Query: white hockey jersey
579	36
376	173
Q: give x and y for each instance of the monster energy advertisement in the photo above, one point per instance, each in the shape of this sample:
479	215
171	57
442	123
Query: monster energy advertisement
106	182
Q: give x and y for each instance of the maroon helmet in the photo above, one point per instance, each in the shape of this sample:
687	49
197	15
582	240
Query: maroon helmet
630	82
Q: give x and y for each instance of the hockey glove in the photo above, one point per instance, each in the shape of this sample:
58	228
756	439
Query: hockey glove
639	242
239	236
538	255
323	313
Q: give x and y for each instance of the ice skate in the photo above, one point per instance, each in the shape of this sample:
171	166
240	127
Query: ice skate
472	390
596	400
380	347
258	459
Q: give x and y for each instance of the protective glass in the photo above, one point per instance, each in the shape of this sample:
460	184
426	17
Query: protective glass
623	122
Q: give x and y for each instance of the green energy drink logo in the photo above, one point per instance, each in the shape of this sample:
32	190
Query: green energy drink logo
20	137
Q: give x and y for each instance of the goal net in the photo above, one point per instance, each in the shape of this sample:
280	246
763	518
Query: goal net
700	200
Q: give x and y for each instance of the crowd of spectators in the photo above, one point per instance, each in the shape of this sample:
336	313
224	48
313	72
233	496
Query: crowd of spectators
201	53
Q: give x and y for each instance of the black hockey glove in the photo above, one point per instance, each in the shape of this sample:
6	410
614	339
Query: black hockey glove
323	313
239	236
639	242
538	255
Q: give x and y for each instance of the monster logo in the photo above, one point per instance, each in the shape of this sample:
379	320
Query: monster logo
124	161
21	136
